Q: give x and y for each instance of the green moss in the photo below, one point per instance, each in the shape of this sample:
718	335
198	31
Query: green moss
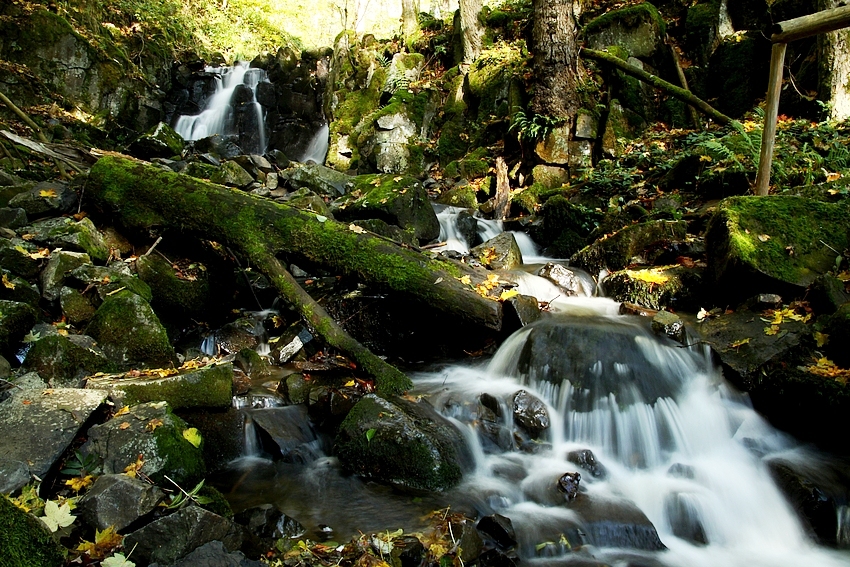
618	51
630	16
183	462
460	197
208	387
62	362
25	541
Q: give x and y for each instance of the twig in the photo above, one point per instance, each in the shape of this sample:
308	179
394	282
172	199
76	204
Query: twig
29	122
830	247
158	240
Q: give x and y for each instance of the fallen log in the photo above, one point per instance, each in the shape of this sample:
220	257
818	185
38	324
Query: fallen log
141	196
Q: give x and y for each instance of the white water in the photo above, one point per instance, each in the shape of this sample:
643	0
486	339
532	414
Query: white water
317	149
218	117
700	423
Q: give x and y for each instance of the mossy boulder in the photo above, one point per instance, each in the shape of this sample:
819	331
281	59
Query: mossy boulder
777	244
20	257
61	263
129	332
628	245
390	231
154	432
108	280
206	387
701	30
76	307
401	443
565	226
655	288
81	236
16	319
25	541
319	179
550	176
638	29
173	297
499	253
231	174
464	196
397	200
493	86
13	288
161	141
471	166
46	198
64	360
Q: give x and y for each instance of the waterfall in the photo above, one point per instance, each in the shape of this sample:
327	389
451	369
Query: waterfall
231	110
317	149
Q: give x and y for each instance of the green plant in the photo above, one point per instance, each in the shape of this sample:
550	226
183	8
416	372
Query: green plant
182	498
82	465
531	126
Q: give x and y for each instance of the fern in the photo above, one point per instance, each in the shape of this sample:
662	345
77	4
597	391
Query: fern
531	127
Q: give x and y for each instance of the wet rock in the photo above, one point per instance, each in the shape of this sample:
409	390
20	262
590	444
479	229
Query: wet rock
214	554
13	217
499	529
64	233
106	281
319	179
811	497
206	387
26	541
160	141
563	277
153	432
264	525
827	293
16	319
616	523
468	540
65	360
401	443
656	288
496	558
21	257
837	327
5	368
499	253
18	289
407	551
530	413
587	460
295	388
129	332
627	308
231	174
251	363
44	427
638	29
670	324
243	333
222	147
76	307
568	484
679	470
684	519
173	297
118	500
45	199
173	537
772	246
625	246
289	428
519	311
60	264
397	200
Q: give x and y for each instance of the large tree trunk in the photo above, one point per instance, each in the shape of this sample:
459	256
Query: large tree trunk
553	42
471	29
410	19
834	67
142	197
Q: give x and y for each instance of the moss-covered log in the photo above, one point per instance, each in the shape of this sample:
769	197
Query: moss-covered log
684	95
141	196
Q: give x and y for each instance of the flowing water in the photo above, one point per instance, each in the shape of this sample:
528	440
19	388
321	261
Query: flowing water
317	149
674	463
226	114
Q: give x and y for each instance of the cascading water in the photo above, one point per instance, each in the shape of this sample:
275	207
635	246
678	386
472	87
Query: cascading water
317	149
231	110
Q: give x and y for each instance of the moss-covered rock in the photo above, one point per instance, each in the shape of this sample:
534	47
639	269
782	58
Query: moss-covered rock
390	231
701	29
618	250
20	257
471	166
173	297
638	29
231	174
462	196
492	88
13	288
16	319
655	288
64	360
160	141
206	387
773	244
129	332
399	201
76	307
61	263
154	432
400	443
25	540
64	233
499	253
565	226
108	280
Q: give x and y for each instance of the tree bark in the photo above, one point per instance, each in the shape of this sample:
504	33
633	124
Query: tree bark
143	197
410	19
834	68
553	42
471	29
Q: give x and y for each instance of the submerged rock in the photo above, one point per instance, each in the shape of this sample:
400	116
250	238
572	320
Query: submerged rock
401	443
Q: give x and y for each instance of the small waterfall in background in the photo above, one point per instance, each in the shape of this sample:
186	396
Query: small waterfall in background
317	149
232	111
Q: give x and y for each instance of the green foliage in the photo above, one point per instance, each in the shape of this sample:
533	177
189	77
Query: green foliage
82	465
182	498
531	127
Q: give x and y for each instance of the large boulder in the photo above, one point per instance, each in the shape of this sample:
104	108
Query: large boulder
400	201
118	500
174	297
21	257
129	332
81	236
161	141
152	431
317	178
405	444
106	281
37	428
638	29
777	244
60	264
499	253
629	245
46	198
64	360
656	288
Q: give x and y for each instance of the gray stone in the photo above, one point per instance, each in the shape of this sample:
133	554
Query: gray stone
318	178
637	29
118	500
161	141
58	267
524	309
108	280
616	251
289	427
587	126
499	253
13	217
173	537
268	522
214	554
562	277
38	426
5	368
46	198
530	413
152	431
21	257
670	324
231	174
64	233
550	176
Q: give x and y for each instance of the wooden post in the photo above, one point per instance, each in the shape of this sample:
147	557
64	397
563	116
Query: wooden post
771	112
813	24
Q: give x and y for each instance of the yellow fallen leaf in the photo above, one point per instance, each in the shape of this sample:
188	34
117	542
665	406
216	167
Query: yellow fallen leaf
821	338
47	193
134	468
349	384
771	330
740	343
507	294
153	424
7	282
465	280
78	483
193	436
124	425
122	411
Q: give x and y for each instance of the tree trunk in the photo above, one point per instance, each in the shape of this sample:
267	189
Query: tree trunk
410	19
834	67
142	197
471	29
553	42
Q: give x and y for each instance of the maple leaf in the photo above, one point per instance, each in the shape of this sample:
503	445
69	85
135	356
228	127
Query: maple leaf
153	424
49	193
124	425
117	560
56	516
507	294
134	468
465	280
104	542
821	338
80	482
